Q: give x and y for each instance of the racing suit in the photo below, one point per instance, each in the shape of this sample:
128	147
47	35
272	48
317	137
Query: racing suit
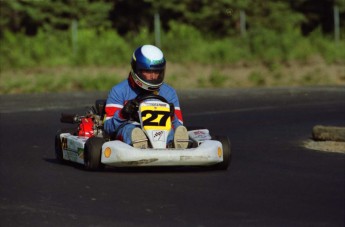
121	128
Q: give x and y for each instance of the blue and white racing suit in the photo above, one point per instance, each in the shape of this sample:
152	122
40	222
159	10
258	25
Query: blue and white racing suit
127	90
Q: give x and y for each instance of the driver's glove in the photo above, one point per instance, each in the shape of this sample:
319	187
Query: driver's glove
130	109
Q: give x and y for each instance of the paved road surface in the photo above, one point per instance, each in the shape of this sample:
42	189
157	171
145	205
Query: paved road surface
272	181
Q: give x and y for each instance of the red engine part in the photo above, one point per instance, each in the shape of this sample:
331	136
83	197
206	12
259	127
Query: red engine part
86	127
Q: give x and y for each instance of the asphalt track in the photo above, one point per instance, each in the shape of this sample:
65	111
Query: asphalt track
272	181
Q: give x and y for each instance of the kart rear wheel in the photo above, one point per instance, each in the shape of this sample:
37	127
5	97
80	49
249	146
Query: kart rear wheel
226	153
92	153
58	144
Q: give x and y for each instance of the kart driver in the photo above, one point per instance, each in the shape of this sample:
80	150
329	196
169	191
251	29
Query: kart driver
145	77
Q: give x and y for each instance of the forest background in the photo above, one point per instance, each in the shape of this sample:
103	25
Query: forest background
61	45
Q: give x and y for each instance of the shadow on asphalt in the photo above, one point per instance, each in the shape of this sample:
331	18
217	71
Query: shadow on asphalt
138	169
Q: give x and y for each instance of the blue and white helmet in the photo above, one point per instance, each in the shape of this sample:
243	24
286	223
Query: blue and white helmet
148	58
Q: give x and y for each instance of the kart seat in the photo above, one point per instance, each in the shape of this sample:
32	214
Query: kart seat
100	107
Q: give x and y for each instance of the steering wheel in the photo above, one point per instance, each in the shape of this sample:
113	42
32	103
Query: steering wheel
143	97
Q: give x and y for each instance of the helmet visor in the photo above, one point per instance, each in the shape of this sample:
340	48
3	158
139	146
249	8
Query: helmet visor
152	77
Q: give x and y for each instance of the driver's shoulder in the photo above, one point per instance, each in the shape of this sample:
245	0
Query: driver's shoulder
120	87
166	88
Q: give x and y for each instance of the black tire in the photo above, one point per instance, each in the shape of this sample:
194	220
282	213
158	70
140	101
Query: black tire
58	144
92	153
226	153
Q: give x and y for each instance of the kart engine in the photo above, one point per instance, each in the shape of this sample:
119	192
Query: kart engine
88	126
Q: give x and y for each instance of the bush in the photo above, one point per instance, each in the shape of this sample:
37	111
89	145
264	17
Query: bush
141	38
328	48
105	48
12	52
182	43
55	49
271	46
226	51
44	49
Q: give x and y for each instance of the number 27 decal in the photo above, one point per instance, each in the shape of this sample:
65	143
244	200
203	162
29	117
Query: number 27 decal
151	120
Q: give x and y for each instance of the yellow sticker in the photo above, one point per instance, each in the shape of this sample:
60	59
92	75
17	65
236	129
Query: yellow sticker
155	117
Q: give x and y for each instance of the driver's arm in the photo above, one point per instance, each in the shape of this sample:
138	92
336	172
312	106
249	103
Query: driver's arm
113	109
170	95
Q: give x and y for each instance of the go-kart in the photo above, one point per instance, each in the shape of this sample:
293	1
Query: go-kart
90	146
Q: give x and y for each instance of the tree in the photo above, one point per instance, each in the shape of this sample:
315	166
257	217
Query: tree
319	14
29	16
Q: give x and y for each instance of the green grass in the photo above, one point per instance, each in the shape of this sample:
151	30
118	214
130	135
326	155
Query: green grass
257	78
217	79
57	80
180	76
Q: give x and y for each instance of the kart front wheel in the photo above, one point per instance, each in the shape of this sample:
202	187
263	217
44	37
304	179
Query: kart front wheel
92	153
226	153
58	148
